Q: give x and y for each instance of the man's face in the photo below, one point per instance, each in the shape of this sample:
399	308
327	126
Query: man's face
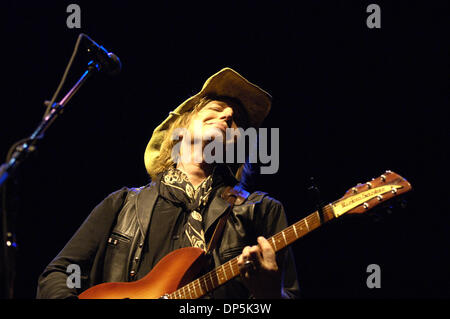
217	121
215	117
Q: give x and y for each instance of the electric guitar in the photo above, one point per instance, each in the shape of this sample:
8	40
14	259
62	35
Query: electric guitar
173	276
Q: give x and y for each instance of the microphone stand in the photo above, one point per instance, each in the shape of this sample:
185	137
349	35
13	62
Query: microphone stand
7	169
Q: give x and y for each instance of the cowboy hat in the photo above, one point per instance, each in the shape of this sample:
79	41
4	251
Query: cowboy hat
225	83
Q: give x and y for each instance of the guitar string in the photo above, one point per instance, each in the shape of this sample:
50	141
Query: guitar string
314	222
311	222
215	279
197	285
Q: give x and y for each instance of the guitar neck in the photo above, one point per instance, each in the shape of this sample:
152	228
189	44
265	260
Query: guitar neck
230	269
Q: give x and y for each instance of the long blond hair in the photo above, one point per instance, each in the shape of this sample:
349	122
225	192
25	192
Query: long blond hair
165	160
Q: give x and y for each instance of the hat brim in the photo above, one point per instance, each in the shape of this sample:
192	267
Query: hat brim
226	83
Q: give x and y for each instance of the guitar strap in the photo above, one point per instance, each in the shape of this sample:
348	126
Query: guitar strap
234	196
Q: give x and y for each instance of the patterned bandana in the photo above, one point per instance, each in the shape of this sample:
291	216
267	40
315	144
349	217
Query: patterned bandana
176	187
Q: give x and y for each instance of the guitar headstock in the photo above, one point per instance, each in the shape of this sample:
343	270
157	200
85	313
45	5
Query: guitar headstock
364	197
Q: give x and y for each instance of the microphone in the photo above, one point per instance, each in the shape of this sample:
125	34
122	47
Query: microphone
109	61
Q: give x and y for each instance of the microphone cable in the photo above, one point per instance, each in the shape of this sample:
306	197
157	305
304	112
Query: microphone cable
66	72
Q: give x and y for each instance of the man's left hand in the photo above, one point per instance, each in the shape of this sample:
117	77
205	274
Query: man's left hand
259	270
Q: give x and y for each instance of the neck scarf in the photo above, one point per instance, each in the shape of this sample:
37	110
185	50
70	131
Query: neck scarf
176	187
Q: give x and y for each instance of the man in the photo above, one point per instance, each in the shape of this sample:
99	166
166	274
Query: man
130	231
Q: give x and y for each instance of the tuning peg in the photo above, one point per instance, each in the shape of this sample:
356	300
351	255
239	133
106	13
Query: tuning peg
354	190
369	185
383	178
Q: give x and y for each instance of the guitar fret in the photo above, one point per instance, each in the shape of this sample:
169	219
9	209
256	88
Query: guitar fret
210	278
189	290
211	281
274	244
306	222
284	237
224	273
295	231
205	287
205	282
196	289
200	286
216	278
232	270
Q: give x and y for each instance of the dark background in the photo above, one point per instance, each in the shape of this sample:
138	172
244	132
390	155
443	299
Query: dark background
350	102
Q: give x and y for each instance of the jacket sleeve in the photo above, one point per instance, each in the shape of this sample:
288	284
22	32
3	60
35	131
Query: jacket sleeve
273	220
80	250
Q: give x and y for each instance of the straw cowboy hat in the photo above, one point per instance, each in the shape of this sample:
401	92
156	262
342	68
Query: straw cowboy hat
225	83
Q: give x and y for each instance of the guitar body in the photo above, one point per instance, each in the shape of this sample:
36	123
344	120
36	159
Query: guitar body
173	271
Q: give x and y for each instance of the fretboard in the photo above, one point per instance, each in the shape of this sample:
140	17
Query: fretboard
230	269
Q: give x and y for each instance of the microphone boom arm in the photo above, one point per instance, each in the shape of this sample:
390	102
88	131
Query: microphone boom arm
28	146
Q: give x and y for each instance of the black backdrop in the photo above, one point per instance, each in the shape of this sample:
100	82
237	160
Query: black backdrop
350	102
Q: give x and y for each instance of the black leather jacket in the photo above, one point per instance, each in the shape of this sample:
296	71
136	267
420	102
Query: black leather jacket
108	245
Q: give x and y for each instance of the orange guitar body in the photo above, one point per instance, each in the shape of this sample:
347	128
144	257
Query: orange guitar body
173	271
